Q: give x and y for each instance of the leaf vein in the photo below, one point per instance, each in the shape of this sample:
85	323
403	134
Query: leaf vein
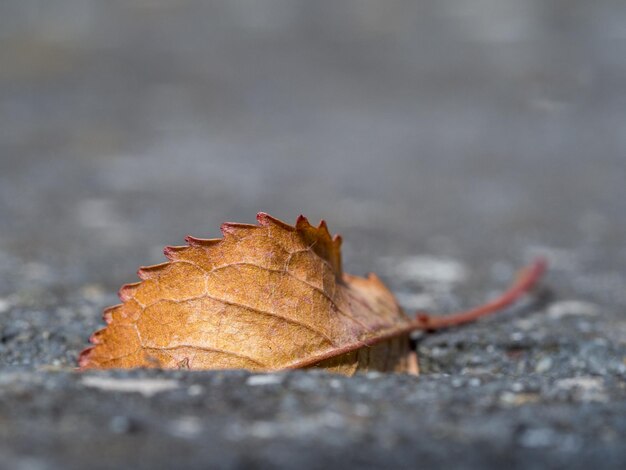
307	283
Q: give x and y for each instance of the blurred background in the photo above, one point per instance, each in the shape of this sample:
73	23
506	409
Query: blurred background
475	129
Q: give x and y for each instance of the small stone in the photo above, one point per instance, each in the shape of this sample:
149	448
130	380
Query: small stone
589	389
571	307
517	336
186	427
120	424
362	410
544	365
146	387
457	382
195	390
265	379
518	399
540	437
335	383
474	382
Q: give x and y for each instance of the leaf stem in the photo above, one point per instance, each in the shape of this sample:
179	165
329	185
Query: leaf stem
526	280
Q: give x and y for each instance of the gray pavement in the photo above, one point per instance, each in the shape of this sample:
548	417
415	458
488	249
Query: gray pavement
448	142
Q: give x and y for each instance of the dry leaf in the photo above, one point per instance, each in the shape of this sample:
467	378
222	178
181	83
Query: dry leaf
265	297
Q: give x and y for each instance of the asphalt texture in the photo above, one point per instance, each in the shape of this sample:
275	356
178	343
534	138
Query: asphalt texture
448	142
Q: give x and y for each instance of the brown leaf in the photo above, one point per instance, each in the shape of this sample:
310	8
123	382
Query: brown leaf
265	297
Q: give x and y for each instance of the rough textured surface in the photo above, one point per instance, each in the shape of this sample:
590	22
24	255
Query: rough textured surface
446	142
233	419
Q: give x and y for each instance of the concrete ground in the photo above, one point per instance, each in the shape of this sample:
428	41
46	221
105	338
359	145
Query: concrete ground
448	142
